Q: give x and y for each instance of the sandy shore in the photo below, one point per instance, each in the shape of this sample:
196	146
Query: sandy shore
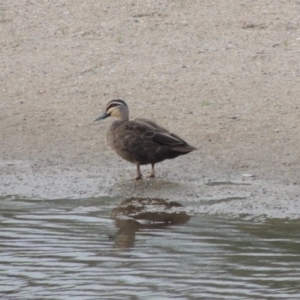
225	77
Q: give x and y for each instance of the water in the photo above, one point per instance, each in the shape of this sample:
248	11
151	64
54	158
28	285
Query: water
72	249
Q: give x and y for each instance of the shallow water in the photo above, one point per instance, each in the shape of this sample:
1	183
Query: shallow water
72	249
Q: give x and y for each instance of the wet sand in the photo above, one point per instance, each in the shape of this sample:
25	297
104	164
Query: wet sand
223	77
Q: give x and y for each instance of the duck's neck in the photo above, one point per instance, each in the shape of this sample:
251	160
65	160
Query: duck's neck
123	117
123	114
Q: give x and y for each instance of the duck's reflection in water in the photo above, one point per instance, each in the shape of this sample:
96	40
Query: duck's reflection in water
134	214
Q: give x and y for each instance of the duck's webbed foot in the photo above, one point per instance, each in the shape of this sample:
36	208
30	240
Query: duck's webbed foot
138	177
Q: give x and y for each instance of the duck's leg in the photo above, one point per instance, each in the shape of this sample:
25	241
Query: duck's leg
138	170
152	174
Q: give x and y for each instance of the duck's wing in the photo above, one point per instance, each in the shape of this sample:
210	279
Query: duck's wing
173	141
163	137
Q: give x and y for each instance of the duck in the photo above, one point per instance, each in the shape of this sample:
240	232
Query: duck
141	141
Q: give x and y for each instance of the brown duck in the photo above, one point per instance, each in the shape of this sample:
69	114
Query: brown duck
141	141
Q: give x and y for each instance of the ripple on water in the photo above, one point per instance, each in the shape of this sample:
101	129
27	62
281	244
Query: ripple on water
72	249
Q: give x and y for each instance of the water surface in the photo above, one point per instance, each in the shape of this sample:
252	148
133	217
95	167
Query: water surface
73	249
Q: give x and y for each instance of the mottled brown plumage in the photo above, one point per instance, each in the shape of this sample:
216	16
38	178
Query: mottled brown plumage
141	141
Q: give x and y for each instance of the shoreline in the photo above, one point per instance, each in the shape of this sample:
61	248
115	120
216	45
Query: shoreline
212	194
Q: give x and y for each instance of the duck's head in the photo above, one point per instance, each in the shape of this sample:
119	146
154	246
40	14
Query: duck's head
115	108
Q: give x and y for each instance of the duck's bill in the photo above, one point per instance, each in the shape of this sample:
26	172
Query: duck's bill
103	116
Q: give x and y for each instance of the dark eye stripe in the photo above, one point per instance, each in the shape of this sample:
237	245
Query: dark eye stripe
112	105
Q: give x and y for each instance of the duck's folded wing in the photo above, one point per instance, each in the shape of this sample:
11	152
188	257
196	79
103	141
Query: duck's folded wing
168	139
161	136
